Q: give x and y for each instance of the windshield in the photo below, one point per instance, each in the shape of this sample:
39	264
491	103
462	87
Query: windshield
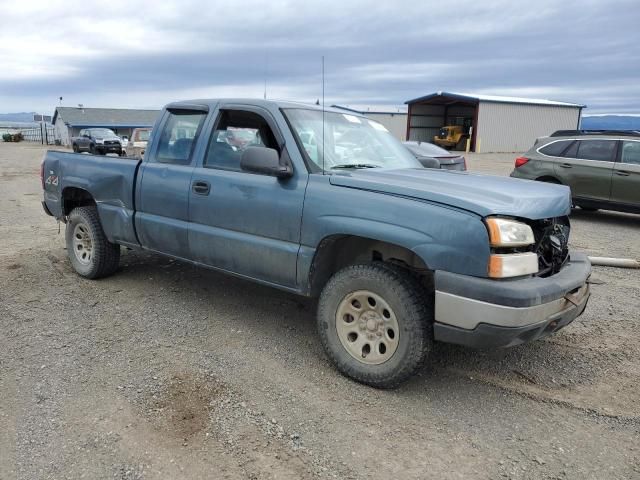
424	148
349	141
102	132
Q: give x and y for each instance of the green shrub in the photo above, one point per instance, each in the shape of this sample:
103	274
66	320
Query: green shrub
16	137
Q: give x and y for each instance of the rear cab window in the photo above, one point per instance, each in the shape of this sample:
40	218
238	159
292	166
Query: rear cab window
177	139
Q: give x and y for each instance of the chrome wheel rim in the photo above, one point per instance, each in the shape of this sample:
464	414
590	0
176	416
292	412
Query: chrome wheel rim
367	327
82	244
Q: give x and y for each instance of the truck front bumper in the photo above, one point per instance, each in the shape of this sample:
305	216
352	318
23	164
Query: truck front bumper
109	148
483	313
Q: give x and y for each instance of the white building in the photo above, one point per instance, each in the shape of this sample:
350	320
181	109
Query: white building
496	124
68	121
393	117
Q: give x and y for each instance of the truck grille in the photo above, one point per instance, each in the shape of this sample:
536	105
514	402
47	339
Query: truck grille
111	142
552	244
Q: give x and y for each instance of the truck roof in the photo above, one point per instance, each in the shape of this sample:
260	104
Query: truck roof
211	102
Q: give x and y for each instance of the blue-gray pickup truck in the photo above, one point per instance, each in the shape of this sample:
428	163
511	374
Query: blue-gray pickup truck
327	204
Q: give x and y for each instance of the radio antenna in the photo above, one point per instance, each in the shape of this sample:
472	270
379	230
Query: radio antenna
266	65
323	151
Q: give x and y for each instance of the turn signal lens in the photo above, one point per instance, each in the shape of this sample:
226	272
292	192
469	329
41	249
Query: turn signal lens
520	161
512	264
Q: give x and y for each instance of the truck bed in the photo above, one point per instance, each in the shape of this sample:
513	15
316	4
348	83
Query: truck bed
109	180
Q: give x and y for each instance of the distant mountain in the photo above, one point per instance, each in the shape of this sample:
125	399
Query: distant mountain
611	122
26	117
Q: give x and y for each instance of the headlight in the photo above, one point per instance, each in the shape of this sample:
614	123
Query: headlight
505	233
509	233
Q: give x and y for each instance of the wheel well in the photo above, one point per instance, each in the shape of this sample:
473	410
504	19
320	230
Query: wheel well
338	251
73	197
548	179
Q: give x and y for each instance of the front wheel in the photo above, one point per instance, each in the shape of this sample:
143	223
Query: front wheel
376	323
91	254
75	148
588	209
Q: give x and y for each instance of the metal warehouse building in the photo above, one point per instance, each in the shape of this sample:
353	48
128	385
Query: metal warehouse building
495	124
394	118
68	121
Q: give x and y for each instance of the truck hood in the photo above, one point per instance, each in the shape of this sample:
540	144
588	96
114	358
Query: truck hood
109	138
478	193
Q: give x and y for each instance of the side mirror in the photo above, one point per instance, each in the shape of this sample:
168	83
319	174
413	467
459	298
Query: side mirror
265	161
428	162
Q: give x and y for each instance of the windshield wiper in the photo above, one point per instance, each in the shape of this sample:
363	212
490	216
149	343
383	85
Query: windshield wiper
356	165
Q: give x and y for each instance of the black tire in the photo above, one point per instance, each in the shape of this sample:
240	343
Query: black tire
92	149
104	256
412	306
588	209
75	148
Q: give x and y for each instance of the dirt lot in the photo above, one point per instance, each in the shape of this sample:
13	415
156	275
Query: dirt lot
167	371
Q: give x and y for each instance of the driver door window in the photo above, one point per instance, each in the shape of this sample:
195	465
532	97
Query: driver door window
234	132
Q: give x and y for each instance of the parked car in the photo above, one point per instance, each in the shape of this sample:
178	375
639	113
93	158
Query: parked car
399	256
138	143
601	167
433	156
97	141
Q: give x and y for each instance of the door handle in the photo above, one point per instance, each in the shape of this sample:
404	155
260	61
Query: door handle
200	187
622	173
566	165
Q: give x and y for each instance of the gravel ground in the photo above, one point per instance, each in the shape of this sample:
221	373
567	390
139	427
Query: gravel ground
168	371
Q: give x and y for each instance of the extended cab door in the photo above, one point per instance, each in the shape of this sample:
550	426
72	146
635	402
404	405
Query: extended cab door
586	167
242	222
162	216
625	185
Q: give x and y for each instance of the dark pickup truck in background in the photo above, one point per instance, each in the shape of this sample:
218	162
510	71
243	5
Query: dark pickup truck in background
398	255
97	141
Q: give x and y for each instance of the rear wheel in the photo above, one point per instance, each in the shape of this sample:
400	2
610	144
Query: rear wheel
91	254
75	148
375	323
549	180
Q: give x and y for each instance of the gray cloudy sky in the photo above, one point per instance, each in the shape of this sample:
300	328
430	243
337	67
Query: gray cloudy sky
145	54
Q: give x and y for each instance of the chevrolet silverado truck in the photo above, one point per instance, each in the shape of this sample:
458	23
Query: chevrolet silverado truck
398	256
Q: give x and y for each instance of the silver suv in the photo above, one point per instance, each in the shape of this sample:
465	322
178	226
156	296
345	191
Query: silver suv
601	167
